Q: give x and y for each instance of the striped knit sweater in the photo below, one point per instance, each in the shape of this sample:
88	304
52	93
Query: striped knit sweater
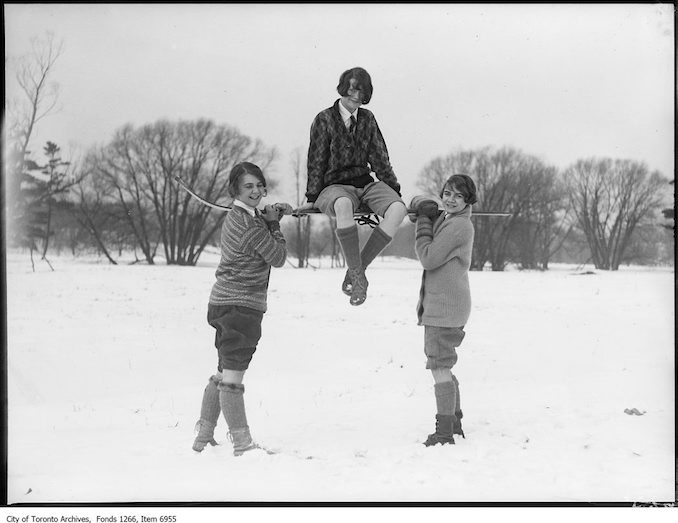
337	157
249	247
444	248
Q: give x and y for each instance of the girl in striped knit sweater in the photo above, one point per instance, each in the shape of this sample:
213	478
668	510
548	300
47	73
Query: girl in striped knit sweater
444	243
251	242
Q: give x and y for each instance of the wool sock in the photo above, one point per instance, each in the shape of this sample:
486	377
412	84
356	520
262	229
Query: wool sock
350	244
445	397
231	399
376	243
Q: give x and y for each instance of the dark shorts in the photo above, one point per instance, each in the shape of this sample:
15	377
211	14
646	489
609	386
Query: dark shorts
440	346
238	332
375	197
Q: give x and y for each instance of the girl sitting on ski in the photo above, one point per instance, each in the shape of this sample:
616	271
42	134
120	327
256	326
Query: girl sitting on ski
444	242
251	242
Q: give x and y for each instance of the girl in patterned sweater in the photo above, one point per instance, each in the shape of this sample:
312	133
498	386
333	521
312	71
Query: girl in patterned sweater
251	242
444	243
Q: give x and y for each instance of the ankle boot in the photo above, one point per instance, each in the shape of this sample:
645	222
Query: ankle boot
209	415
242	441
347	284
359	287
231	398
443	433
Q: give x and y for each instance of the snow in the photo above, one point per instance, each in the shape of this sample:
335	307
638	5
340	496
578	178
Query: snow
107	365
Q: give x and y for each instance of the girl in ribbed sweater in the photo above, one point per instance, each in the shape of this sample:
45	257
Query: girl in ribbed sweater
444	243
251	242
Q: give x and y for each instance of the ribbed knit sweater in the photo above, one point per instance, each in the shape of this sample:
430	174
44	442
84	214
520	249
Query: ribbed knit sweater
249	247
336	156
444	248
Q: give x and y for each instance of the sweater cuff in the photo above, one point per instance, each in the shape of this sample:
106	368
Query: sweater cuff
424	228
423	234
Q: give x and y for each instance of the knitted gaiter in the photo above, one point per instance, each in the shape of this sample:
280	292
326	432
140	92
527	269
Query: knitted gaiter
233	404
350	244
445	397
376	243
209	415
209	410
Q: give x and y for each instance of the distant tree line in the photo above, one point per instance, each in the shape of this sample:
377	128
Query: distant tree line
605	209
123	197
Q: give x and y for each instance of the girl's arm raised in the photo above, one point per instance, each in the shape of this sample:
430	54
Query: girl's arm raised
270	245
447	243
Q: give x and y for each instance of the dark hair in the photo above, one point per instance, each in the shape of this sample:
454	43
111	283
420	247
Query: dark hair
464	184
363	82
240	170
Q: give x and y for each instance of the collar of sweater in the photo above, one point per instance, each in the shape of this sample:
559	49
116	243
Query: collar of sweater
340	109
242	205
345	115
466	211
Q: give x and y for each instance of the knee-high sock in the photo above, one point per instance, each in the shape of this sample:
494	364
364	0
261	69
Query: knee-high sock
376	243
445	393
350	244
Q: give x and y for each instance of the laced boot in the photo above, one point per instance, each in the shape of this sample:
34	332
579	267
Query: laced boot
209	415
443	433
456	424
359	290
242	441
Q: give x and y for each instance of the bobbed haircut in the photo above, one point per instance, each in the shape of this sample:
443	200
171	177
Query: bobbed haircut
239	170
464	184
363	82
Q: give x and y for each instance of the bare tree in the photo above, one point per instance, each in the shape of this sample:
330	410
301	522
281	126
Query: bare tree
301	241
93	207
543	225
117	167
610	198
140	167
37	96
434	175
507	181
32	97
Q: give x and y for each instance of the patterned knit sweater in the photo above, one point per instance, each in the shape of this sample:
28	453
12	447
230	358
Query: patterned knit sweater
337	157
444	248
249	247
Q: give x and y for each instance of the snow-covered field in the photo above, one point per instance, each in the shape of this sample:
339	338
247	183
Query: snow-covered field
107	364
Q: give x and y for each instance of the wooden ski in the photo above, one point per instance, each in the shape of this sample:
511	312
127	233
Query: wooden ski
297	213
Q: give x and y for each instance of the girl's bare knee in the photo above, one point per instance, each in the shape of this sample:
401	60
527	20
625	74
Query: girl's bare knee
397	210
441	374
343	205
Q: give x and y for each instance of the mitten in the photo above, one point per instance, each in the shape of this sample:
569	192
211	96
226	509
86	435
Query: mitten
283	209
418	200
270	214
427	208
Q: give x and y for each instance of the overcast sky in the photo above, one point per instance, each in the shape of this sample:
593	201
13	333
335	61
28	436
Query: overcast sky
560	82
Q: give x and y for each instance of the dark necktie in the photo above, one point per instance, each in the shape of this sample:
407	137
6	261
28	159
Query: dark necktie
351	128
